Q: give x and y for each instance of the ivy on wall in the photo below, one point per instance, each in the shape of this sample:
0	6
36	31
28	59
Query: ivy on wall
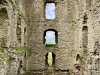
20	12
14	3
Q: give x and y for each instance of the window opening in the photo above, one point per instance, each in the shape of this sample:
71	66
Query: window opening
78	57
20	64
25	35
3	13
50	37
50	59
18	30
50	11
85	36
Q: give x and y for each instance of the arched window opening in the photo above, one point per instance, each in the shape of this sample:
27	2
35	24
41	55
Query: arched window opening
50	59
50	37
85	36
3	17
18	30
3	24
50	10
3	13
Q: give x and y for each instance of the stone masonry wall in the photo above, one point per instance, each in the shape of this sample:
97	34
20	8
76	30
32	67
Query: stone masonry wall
10	59
88	56
77	40
62	24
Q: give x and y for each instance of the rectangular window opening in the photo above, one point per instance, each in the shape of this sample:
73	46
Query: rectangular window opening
50	11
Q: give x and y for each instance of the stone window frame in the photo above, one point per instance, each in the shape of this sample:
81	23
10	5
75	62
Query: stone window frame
46	59
18	30
56	35
49	1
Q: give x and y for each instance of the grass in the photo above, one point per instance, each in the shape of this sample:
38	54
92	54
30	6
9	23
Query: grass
50	44
21	49
4	56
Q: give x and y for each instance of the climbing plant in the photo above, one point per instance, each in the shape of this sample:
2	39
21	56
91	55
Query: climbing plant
14	3
20	12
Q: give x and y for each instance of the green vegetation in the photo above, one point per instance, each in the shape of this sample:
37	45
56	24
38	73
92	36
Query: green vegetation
75	21
50	44
19	11
23	15
21	49
2	55
83	14
29	73
14	3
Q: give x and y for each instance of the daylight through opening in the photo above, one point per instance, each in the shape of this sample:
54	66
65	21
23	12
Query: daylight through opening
50	59
50	37
50	11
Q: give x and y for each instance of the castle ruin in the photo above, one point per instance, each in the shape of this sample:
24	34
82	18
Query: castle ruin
24	26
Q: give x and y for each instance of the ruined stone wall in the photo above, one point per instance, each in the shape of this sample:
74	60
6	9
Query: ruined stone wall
62	24
12	35
89	56
77	41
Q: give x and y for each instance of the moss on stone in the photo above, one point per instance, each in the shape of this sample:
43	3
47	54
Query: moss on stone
14	3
